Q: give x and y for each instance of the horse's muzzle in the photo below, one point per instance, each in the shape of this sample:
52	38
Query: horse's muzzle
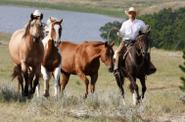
57	43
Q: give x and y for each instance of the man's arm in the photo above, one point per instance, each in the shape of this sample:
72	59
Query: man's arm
143	26
121	32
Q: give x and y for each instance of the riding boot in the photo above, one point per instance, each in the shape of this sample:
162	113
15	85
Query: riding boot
117	55
116	60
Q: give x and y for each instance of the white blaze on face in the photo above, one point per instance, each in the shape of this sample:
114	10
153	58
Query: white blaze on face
34	28
57	36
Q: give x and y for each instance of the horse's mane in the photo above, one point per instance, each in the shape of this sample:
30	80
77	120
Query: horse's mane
138	39
27	28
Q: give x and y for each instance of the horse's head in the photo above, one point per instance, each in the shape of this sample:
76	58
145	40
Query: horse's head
34	27
143	41
55	30
107	55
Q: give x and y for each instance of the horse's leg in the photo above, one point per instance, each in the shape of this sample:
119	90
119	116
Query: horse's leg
26	83
64	81
30	79
57	80
120	83
46	77
143	84
36	84
84	78
134	90
24	76
20	84
94	78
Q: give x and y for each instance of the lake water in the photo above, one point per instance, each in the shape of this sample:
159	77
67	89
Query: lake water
76	26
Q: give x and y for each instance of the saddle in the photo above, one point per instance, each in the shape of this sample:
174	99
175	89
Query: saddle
128	44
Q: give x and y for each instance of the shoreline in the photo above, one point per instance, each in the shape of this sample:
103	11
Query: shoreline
66	7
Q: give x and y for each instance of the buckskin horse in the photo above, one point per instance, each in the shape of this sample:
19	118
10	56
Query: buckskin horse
26	51
84	59
135	64
52	56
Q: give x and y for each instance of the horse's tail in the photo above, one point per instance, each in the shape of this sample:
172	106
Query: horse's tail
16	72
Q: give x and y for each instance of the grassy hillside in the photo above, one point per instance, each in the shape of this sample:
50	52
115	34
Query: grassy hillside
107	7
161	104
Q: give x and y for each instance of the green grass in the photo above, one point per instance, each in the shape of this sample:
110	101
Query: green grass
161	102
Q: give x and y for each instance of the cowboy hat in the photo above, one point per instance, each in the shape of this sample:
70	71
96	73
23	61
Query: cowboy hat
131	9
37	13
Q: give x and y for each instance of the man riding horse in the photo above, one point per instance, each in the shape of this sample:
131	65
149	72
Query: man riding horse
129	32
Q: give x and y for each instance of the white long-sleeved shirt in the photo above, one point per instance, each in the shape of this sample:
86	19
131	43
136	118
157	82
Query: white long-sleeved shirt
130	29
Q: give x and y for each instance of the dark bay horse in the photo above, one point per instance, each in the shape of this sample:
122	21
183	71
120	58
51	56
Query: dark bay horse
26	51
84	59
52	56
134	64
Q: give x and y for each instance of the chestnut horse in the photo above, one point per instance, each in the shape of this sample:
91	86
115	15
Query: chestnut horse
52	56
84	59
26	51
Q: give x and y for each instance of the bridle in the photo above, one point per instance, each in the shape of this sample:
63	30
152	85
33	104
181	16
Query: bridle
142	49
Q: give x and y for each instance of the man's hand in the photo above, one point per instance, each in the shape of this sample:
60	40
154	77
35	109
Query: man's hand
118	34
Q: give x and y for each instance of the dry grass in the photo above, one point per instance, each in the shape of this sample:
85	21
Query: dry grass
144	6
161	104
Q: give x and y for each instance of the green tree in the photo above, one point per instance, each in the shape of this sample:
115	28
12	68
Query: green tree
182	67
109	32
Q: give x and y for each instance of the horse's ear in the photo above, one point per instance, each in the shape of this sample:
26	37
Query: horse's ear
31	16
41	16
148	29
106	43
51	19
112	44
61	21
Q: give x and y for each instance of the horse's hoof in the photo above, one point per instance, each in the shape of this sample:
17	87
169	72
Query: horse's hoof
85	96
30	96
142	100
124	102
24	94
136	103
46	94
